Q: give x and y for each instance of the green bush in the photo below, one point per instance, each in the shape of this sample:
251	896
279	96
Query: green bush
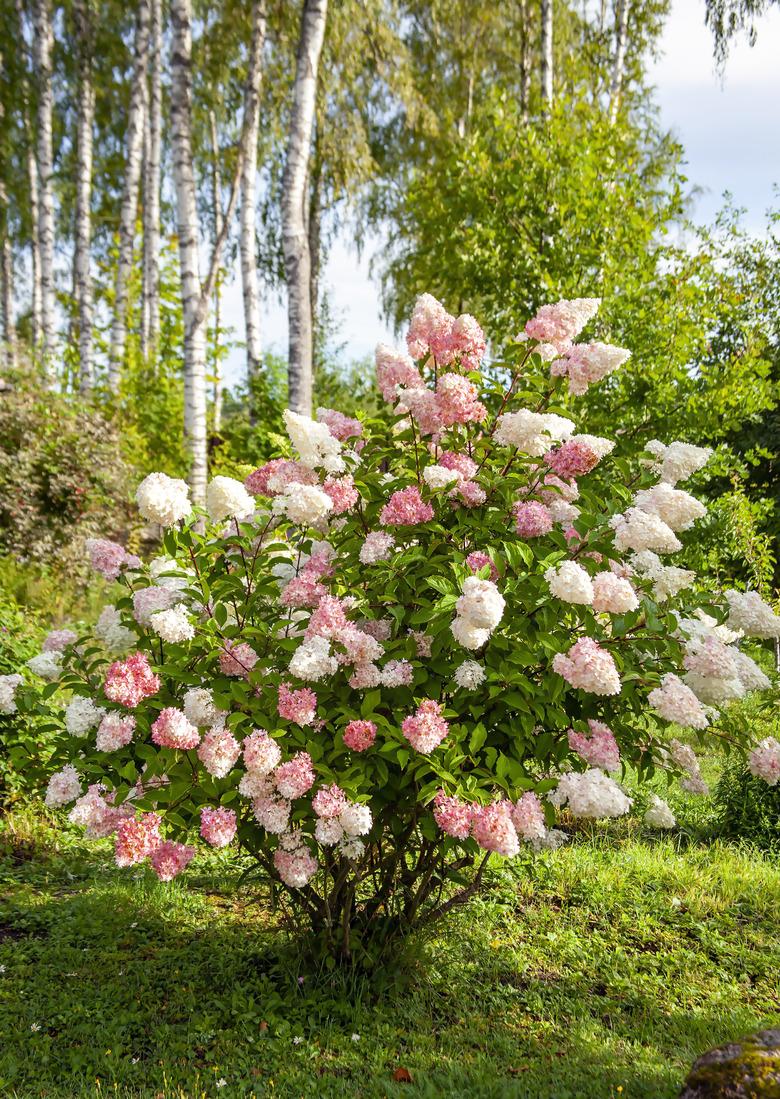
25	736
747	808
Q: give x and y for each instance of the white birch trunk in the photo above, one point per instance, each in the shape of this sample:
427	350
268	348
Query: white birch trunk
297	258
216	202
619	60
7	284
547	56
153	130
129	208
248	213
43	41
35	242
187	226
82	273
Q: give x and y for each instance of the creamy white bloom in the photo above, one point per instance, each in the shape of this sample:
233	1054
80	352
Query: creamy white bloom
162	499
667	580
481	603
227	498
352	848
316	446
64	786
685	758
82	716
678	509
8	685
613	594
199	708
469	675
599	446
674	701
467	635
437	477
161	570
146	601
750	675
764	761
355	819
638	530
377	547
748	612
307	505
590	794
312	660
678	461
109	628
173	625
328	831
46	665
570	582
658	814
532	432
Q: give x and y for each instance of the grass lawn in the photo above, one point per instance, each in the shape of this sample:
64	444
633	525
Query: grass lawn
600	970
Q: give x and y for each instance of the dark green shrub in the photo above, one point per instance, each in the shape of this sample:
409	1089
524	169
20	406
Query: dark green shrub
24	736
747	808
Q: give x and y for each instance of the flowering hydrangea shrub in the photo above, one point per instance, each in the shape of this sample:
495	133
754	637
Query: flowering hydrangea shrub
406	643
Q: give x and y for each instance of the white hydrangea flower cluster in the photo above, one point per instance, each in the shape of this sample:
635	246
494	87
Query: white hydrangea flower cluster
316	446
716	670
678	461
377	547
640	530
437	477
8	686
613	594
162	570
749	613
312	660
173	625
570	582
353	821
590	794
307	505
227	498
685	758
64	787
764	761
82	716
46	665
678	509
469	675
109	628
658	814
162	499
674	701
667	580
477	612
532	432
199	708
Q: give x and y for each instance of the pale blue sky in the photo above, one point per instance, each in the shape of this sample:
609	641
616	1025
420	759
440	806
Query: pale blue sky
729	128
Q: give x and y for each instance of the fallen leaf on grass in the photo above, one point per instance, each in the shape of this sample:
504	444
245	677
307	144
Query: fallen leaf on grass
402	1076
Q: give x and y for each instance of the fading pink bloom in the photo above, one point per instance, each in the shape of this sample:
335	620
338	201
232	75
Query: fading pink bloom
218	752
173	730
572	459
57	640
261	752
273	478
272	813
114	732
478	560
328	619
461	463
129	681
430	329
217	826
296	777
136	840
528	817
588	667
303	590
587	363
394	368
97	815
295	867
377	546
299	706
469	493
424	407
427	728
328	801
467	341
360	648
457	400
106	557
532	519
600	749
237	658
406	508
342	492
452	815
170	858
422	643
397	673
558	324
493	829
341	426
360	735
365	676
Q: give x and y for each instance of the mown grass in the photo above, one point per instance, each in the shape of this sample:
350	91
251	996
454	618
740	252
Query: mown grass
600	970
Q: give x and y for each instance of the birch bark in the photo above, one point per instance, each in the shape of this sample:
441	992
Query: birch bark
297	257
82	272
547	56
619	61
151	220
43	41
248	211
129	207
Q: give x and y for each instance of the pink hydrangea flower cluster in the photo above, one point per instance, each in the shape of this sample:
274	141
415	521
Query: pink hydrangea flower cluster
359	735
237	658
588	667
305	589
58	640
294	862
342	492
299	706
600	749
114	732
109	558
218	752
169	859
427	728
217	825
406	508
560	323
276	476
130	681
173	730
136	840
434	331
587	363
295	777
96	813
532	518
478	560
764	761
341	426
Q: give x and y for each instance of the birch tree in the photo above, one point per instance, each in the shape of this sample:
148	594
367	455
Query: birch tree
619	59
248	209
8	335
547	56
82	273
150	330
295	240
43	41
218	221
129	206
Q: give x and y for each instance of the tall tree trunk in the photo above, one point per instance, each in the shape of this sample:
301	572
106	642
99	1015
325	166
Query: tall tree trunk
525	60
43	41
619	60
314	234
547	56
129	208
6	283
187	227
216	201
152	144
82	273
297	258
248	215
35	248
